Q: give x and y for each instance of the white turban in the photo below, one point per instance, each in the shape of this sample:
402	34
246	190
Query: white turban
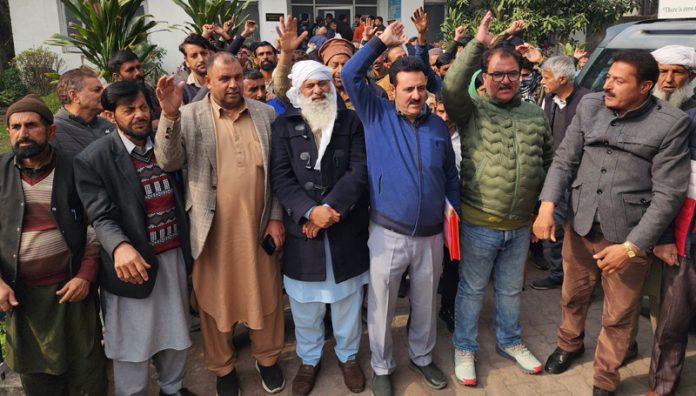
312	70
676	55
303	71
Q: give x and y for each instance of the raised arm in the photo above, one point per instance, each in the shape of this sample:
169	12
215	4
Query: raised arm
169	143
288	41
236	45
455	90
420	20
354	72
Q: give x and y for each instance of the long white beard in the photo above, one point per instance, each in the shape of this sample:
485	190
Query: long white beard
319	114
676	98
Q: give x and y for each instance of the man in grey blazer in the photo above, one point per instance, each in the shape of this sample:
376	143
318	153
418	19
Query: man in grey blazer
223	141
625	158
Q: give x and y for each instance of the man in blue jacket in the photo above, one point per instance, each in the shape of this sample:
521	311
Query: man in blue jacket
411	172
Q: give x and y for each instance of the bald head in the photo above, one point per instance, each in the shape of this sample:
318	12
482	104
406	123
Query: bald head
220	58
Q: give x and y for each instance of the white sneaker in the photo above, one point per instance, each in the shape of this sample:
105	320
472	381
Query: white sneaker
464	367
520	354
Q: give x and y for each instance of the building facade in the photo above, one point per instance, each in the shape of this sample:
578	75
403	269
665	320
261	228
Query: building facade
34	21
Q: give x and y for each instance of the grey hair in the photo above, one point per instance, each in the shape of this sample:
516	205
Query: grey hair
561	66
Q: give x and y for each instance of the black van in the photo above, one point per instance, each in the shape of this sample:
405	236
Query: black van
648	34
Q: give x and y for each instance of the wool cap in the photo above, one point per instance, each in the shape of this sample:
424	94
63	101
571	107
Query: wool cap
32	103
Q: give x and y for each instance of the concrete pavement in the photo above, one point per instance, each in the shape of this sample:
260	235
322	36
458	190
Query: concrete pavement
497	376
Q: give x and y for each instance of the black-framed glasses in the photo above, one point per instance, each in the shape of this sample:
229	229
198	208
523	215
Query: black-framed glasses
500	76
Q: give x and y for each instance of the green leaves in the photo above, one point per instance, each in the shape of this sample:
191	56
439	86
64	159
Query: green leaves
218	12
547	21
105	26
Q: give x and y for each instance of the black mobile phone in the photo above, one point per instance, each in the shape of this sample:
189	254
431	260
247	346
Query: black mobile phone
268	245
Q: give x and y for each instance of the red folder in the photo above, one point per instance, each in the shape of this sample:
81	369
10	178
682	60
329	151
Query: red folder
451	231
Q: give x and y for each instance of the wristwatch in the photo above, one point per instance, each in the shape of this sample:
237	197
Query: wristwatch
629	249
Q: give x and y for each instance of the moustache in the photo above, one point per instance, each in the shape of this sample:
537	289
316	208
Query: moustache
609	93
25	140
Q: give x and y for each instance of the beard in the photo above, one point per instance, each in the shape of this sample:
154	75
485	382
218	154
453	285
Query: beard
676	98
267	65
138	135
32	150
319	114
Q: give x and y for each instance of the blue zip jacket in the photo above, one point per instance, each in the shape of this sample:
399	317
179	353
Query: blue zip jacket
411	166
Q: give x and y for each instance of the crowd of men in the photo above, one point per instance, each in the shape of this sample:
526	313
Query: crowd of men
133	206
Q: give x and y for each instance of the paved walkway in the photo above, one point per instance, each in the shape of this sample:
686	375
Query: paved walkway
497	376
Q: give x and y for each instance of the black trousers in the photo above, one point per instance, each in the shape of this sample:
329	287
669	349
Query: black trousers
449	281
677	309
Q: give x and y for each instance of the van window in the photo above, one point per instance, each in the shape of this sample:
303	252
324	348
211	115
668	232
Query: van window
597	73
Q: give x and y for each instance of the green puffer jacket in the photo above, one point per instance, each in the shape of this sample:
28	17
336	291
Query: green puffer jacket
506	148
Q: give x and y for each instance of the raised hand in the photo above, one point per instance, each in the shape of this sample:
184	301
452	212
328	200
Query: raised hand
530	52
288	40
579	53
228	25
369	30
515	27
459	33
222	32
394	35
483	34
208	30
249	28
170	96
420	20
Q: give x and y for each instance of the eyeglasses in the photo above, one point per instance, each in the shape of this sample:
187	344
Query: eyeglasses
500	76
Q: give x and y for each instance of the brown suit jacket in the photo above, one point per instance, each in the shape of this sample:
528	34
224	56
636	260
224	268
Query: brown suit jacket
189	142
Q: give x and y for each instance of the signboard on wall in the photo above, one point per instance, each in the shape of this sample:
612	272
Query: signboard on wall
394	9
676	9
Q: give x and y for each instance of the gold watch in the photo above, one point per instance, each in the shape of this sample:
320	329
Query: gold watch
629	249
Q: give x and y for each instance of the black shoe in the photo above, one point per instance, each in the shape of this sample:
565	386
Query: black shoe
431	373
540	262
447	316
381	385
547	284
601	392
272	378
631	354
228	385
560	360
180	392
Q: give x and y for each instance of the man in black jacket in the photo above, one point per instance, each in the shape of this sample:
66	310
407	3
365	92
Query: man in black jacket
319	174
560	103
137	211
48	262
78	122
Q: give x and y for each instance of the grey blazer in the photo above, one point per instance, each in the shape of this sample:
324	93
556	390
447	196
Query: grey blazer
632	171
190	141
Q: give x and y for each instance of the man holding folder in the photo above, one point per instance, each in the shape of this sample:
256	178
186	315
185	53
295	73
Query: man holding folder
411	172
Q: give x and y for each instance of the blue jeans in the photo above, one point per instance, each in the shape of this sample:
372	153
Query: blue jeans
560	213
487	252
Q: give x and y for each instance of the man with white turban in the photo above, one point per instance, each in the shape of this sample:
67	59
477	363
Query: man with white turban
319	174
677	65
670	283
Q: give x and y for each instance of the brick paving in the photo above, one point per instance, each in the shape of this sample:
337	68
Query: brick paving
497	376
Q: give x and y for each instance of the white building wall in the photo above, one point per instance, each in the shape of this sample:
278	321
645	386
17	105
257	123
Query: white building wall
33	22
267	29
